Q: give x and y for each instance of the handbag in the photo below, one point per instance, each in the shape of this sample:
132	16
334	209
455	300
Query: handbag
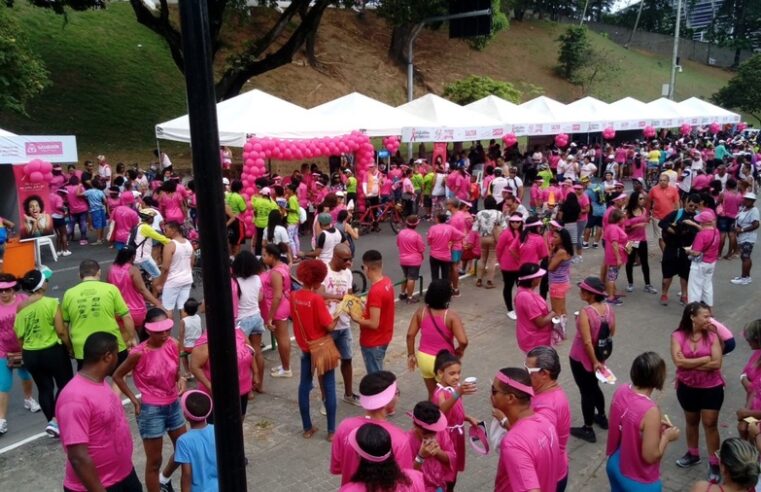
15	360
323	352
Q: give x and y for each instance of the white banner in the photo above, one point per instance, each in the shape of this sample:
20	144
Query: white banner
441	134
20	149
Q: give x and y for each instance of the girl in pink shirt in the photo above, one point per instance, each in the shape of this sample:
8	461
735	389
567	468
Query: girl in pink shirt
435	451
534	319
635	226
129	280
58	213
728	207
615	253
508	257
172	203
155	367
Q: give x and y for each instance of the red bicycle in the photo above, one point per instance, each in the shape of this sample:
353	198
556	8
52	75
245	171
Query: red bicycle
371	218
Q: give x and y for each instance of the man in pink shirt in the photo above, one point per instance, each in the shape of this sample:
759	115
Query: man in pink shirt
411	252
441	237
529	454
462	221
125	219
94	430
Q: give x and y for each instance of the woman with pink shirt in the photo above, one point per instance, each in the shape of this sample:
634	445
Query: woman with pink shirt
508	258
411	252
534	319
635	226
639	434
615	253
439	327
696	352
276	306
534	248
155	368
58	213
129	280
440	239
172	203
751	378
728	207
704	253
125	219
78	209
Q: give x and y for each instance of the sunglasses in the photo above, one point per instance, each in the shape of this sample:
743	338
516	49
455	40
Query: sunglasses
494	391
9	289
531	370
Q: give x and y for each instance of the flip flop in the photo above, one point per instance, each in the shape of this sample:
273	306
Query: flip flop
479	283
309	433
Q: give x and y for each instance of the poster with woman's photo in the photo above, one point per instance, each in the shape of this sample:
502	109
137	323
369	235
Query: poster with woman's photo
33	191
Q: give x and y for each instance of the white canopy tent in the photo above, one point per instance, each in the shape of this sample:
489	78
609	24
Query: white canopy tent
629	114
710	112
598	114
6	133
555	117
515	119
449	122
261	114
374	118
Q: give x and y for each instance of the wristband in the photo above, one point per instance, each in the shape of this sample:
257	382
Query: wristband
456	395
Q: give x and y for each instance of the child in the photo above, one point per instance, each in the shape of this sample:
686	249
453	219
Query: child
435	456
447	396
471	251
615	253
6	226
196	450
96	201
190	332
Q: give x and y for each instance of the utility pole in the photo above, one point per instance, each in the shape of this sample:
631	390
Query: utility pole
636	24
675	58
584	13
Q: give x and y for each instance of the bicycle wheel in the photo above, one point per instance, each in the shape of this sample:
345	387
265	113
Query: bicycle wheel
397	224
358	282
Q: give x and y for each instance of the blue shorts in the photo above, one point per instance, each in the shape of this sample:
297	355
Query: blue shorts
252	325
725	224
98	219
149	266
156	420
343	341
620	483
6	375
456	256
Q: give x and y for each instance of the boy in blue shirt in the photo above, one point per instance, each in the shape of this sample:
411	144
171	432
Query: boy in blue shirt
96	201
196	450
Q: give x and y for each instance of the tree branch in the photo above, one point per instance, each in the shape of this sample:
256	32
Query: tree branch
161	26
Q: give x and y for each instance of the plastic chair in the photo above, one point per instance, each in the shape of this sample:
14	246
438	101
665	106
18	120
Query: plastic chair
45	241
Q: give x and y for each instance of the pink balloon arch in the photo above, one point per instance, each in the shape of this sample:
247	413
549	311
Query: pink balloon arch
258	149
38	171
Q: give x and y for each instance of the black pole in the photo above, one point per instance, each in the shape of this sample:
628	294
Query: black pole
207	173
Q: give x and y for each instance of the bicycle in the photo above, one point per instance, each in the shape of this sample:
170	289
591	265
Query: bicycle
370	219
653	175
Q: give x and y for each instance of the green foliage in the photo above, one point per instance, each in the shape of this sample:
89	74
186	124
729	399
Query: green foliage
738	24
474	87
743	89
499	22
22	72
407	12
573	53
657	16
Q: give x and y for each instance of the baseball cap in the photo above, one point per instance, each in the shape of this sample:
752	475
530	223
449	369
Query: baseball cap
324	219
707	215
265	191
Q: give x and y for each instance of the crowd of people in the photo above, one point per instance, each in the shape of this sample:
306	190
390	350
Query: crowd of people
533	216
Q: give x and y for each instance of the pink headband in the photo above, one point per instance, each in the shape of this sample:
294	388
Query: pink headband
555	223
375	402
364	454
437	426
163	325
516	218
7	285
535	224
514	384
184	404
539	273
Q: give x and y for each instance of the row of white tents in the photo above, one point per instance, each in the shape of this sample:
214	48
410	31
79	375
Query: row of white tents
432	118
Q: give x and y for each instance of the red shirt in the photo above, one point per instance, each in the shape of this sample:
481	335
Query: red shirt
310	317
381	296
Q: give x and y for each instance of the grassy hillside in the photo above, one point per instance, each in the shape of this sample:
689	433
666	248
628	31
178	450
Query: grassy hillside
114	80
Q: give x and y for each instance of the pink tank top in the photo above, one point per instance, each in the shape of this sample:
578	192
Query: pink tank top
578	352
626	413
119	276
731	204
432	340
693	377
284	310
155	374
753	372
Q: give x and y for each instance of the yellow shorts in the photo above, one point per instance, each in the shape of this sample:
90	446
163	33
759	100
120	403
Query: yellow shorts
425	363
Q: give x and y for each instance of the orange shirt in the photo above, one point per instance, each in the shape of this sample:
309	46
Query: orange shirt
664	201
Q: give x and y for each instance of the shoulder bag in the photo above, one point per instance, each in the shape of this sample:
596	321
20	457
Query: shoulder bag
441	332
323	352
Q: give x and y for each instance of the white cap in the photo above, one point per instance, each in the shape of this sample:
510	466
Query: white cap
265	191
225	181
749	196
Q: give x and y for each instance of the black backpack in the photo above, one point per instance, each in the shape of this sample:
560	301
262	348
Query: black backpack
604	345
132	240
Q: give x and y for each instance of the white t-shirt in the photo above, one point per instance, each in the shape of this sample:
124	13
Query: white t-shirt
588	170
745	218
192	330
497	186
338	283
328	241
248	303
439	185
281	236
569	170
514	184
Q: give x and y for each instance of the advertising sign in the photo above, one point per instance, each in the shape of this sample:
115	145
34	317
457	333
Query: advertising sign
19	149
32	186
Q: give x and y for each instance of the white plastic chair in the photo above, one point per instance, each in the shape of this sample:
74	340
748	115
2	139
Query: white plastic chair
45	241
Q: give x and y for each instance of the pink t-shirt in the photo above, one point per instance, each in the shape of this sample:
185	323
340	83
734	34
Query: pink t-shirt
455	421
284	309
637	233
245	355
529	457
417	485
411	247
533	250
730	204
578	352
127	198
627	410
507	250
753	372
8	340
77	204
707	242
583	203
344	460
553	404
170	206
156	374
701	182
90	413
55	205
112	202
463	222
528	306
693	377
614	233
125	219
435	473
439	238
119	275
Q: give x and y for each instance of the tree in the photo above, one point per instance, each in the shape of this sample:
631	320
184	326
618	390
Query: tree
499	22
574	49
738	25
22	72
743	89
475	87
404	15
598	67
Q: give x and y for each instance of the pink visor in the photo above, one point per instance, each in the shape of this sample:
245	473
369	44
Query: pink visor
589	288
7	285
364	454
375	402
516	218
437	426
539	273
535	224
157	326
184	405
479	441
514	384
555	223
620	197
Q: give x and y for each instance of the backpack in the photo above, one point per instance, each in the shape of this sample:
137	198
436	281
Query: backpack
132	240
604	344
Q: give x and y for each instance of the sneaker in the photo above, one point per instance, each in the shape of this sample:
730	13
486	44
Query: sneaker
714	473
601	421
650	289
683	300
630	288
512	315
585	433
31	405
166	487
402	297
97	243
281	373
584	245
615	302
741	280
664	300
66	252
52	429
594	245
455	292
83	242
323	410
3	426
352	400
688	460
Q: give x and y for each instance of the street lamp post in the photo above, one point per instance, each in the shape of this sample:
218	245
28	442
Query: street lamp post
675	57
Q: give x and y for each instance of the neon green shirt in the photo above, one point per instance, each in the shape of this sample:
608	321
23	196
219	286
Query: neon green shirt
417	181
351	185
293	211
428	183
236	203
90	307
35	324
262	207
546	175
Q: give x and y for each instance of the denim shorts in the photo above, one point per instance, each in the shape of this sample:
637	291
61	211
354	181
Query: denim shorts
343	341
156	420
252	325
149	266
98	219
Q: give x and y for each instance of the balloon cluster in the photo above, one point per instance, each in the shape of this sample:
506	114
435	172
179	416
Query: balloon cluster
648	131
38	171
392	144
742	126
609	133
685	129
562	140
714	128
509	139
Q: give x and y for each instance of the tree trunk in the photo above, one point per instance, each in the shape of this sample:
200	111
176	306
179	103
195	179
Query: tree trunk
736	62
400	38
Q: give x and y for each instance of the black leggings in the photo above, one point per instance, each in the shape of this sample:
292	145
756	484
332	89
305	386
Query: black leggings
440	269
51	369
544	287
591	394
508	279
641	250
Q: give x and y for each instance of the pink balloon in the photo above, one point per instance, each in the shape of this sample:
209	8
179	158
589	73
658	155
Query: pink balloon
249	191
46	167
714	128
48	177
249	162
32	167
742	126
248	147
257	147
685	129
608	133
648	131
36	177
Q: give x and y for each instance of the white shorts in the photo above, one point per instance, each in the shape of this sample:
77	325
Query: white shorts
175	297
